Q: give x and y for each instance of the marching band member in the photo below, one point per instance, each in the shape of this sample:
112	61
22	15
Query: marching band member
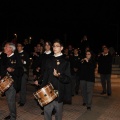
105	69
57	72
26	62
87	79
13	66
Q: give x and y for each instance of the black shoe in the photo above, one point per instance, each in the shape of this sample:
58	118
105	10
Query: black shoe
7	118
21	104
67	102
76	92
42	113
2	94
84	104
103	93
88	108
109	94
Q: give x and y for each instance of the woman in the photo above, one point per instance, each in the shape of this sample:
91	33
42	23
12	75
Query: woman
87	78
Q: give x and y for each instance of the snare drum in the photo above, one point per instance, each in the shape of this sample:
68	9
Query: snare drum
5	83
46	95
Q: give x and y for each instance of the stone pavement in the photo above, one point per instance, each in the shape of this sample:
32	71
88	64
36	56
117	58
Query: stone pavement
104	107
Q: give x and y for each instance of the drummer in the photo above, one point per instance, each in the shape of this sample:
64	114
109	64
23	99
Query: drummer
13	66
57	72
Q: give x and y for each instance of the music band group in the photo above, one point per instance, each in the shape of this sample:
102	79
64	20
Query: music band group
56	77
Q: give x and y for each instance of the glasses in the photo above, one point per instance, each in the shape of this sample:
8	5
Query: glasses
56	46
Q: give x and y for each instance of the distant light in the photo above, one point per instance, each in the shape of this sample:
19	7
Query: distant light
15	35
30	37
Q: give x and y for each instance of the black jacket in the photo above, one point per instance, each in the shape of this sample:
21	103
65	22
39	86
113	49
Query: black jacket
105	64
87	70
75	63
58	82
14	62
25	57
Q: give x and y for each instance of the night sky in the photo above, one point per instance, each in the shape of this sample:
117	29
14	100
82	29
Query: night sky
50	20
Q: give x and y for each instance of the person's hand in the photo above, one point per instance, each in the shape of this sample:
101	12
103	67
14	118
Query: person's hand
36	82
9	69
38	69
86	59
55	73
75	69
35	54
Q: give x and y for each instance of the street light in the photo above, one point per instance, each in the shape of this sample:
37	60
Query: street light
30	38
15	35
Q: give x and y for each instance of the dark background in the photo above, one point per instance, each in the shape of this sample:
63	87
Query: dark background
67	20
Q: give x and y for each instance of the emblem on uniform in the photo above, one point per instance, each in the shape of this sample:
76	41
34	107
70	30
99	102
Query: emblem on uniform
13	61
58	62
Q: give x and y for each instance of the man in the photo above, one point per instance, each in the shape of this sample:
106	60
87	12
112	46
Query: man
13	66
75	67
26	62
104	68
57	72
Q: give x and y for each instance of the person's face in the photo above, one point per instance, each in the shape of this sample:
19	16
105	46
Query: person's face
66	50
70	47
7	49
88	55
57	48
87	48
105	50
19	47
47	46
38	46
75	51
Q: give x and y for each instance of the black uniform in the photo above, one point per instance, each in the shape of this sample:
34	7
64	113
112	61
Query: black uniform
26	63
87	79
14	62
75	64
105	68
58	83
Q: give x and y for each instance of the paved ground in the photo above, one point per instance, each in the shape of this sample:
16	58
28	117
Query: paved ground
104	107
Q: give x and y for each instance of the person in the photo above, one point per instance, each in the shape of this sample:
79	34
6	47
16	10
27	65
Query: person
46	55
13	66
105	68
75	67
87	79
84	44
26	62
57	72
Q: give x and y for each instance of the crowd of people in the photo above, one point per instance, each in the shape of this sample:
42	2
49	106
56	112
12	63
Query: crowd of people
70	71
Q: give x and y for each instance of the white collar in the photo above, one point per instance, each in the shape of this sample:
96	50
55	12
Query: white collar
58	55
75	55
11	55
105	54
47	52
21	51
